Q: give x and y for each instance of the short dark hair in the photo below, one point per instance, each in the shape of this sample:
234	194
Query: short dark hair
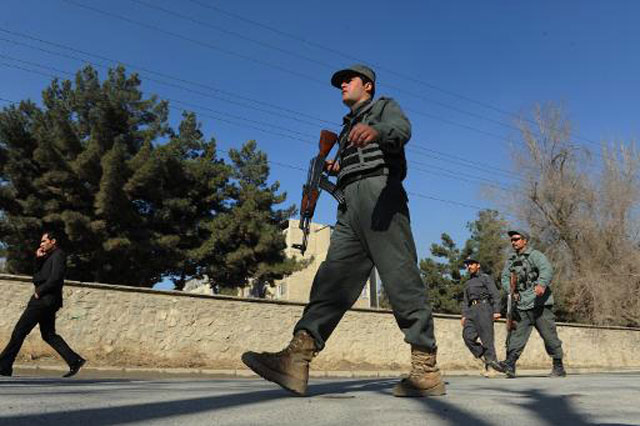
52	235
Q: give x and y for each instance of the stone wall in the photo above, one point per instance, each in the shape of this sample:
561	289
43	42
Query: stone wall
125	326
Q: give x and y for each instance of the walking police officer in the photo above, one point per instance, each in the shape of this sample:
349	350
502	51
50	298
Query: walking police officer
534	304
480	308
372	229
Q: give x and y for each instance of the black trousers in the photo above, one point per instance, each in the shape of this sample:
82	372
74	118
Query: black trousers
36	313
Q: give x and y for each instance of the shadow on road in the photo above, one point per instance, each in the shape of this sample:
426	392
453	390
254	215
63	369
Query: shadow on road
157	410
549	409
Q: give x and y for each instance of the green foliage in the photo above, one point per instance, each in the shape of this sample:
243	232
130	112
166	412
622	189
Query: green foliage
487	243
136	200
246	243
442	277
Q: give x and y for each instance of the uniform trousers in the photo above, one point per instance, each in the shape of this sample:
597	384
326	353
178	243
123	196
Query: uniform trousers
373	229
542	319
479	325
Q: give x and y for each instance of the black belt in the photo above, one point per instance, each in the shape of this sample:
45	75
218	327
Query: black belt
476	301
362	175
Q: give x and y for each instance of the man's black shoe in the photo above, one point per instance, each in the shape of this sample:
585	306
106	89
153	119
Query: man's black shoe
496	366
73	370
7	373
507	368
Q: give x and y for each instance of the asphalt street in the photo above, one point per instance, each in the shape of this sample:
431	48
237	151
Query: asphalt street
91	398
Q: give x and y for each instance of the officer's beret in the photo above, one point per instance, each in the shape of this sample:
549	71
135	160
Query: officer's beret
357	69
520	232
470	259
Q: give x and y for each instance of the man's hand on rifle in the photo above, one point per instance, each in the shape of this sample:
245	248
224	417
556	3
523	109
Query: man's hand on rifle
496	316
539	289
362	134
332	167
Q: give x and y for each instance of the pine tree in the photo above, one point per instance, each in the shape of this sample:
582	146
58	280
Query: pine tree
195	191
136	200
488	242
86	164
246	243
442	277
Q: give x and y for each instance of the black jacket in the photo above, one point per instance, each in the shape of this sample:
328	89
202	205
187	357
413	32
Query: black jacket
49	279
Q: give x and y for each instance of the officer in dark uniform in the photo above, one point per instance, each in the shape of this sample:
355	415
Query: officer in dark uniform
480	308
42	307
373	229
534	303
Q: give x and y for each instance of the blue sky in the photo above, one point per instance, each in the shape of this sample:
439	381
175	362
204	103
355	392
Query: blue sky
462	70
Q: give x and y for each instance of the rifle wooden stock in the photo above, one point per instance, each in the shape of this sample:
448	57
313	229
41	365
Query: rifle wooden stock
312	188
327	141
309	200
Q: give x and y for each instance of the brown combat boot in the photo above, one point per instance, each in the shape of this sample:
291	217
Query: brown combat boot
424	378
290	367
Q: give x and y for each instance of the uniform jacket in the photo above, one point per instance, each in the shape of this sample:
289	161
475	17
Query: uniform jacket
480	286
49	279
531	268
394	129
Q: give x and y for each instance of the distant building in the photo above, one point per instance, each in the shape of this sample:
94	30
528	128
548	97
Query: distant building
297	286
196	286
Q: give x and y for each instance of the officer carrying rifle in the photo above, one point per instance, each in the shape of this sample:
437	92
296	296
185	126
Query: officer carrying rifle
373	229
531	273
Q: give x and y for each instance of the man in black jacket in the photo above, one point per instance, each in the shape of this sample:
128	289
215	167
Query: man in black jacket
42	307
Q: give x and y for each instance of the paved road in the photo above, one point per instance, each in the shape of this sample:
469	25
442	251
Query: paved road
91	400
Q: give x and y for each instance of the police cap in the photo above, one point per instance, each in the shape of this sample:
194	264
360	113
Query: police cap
520	232
357	69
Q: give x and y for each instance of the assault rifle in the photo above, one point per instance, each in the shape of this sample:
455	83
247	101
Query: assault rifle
512	298
317	180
